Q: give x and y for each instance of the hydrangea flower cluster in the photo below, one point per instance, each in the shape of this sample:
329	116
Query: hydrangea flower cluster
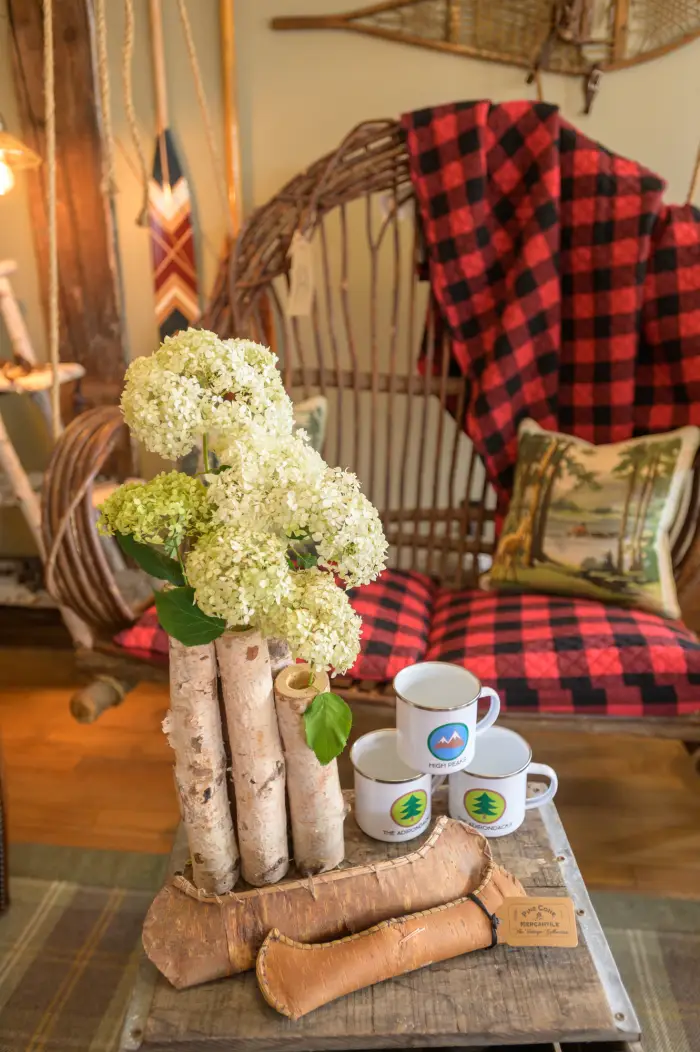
288	484
240	575
196	385
164	511
264	540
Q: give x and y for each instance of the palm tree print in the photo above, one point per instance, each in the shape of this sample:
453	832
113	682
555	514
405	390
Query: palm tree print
587	519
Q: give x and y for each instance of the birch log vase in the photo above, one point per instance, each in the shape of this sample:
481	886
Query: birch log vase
315	797
193	729
257	762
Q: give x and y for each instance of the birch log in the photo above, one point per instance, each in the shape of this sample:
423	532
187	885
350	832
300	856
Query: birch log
257	762
280	655
193	728
315	797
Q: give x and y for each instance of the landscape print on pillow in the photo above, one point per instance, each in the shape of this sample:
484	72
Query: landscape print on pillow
594	521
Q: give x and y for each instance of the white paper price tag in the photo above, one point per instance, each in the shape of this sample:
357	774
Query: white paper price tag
301	281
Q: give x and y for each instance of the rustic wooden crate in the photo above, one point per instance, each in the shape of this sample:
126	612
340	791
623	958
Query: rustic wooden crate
534	999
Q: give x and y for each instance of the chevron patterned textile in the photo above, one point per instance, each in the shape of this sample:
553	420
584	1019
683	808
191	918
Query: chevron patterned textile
172	241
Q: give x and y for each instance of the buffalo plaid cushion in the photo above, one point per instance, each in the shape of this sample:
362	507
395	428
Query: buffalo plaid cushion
396	611
559	655
547	254
145	639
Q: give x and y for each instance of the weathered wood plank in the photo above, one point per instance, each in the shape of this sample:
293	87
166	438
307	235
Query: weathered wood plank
92	330
521	998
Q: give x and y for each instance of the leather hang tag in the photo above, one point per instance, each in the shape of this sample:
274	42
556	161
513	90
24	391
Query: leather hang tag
537	921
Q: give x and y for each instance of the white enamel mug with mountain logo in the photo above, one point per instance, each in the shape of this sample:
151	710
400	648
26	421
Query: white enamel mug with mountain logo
392	800
491	793
436	715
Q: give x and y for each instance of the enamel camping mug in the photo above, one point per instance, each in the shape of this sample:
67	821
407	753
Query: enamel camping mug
436	715
392	800
491	793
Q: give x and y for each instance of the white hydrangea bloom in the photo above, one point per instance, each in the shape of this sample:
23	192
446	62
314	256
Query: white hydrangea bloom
274	496
196	384
239	575
317	621
162	408
269	480
285	483
346	529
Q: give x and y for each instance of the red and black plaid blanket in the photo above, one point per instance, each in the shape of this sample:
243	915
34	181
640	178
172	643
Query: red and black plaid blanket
570	291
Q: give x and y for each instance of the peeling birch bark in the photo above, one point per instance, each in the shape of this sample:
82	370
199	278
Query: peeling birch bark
315	797
193	729
257	762
280	655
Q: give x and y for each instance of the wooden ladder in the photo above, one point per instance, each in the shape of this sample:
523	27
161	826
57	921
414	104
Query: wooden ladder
34	385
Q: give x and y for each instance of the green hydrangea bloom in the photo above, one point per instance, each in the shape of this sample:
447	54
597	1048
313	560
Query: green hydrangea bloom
164	511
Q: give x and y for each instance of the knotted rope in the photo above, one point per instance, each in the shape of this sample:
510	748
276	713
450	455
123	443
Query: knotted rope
204	109
109	183
127	55
50	118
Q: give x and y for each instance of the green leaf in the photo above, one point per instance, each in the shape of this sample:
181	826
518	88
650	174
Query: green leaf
327	721
151	560
183	620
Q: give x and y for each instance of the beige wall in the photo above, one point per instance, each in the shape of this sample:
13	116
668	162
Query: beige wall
299	93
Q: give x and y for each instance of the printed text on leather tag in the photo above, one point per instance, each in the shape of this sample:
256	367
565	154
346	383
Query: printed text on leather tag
537	921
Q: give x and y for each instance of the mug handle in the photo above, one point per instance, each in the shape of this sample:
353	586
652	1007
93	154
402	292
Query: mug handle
546	796
436	781
494	708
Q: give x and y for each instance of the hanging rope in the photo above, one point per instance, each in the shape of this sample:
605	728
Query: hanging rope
50	119
109	183
695	179
206	116
127	55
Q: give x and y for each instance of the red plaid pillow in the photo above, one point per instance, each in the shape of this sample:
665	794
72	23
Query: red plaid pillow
554	654
145	639
396	610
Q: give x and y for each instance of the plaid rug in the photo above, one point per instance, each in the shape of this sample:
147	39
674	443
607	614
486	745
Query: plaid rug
68	952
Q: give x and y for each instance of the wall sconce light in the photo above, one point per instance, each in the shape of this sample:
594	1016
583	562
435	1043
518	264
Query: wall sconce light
14	155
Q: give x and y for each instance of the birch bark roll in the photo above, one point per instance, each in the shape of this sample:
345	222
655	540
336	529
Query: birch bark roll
315	797
257	763
193	729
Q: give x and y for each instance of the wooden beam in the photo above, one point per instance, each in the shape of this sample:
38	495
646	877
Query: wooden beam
92	326
620	30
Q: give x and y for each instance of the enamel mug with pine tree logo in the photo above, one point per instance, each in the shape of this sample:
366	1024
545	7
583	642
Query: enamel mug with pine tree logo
392	800
491	793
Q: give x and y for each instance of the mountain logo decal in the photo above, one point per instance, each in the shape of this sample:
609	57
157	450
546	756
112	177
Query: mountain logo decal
448	741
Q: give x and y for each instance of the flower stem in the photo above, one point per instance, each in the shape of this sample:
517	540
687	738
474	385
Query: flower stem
312	675
182	564
205	451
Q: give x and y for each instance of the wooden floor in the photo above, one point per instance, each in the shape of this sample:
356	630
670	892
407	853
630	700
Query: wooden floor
631	806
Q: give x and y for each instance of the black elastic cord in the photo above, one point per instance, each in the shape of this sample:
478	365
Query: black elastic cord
495	921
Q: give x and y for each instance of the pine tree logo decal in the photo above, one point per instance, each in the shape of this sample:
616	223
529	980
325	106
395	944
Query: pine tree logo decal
484	805
409	808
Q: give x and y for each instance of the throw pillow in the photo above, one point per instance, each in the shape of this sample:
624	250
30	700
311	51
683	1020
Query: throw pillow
310	416
594	521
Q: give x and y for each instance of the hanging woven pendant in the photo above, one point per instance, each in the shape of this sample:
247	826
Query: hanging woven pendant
567	36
